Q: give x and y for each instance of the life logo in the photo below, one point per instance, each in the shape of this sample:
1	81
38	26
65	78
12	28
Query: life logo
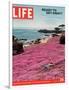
22	12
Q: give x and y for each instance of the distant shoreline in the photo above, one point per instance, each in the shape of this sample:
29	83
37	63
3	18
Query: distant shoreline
42	40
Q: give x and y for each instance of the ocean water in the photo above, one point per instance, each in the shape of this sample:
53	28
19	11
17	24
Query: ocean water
28	34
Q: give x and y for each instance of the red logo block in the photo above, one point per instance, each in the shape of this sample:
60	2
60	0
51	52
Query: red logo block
22	12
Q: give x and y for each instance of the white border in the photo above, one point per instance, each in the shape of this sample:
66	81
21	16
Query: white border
10	44
40	2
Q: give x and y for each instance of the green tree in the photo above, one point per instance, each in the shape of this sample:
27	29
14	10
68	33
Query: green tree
62	25
57	29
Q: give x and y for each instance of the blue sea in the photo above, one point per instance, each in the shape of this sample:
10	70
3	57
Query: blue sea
28	34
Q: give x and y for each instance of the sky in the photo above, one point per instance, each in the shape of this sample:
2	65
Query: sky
41	19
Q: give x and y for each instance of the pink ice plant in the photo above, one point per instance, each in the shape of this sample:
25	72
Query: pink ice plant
29	65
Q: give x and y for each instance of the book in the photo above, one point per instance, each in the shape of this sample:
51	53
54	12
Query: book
38	44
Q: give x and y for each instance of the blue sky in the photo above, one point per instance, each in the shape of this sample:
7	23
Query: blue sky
41	20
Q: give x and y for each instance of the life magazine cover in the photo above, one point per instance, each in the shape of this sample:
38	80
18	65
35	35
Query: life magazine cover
38	44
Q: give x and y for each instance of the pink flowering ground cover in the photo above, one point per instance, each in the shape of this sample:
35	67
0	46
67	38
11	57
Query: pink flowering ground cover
30	65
